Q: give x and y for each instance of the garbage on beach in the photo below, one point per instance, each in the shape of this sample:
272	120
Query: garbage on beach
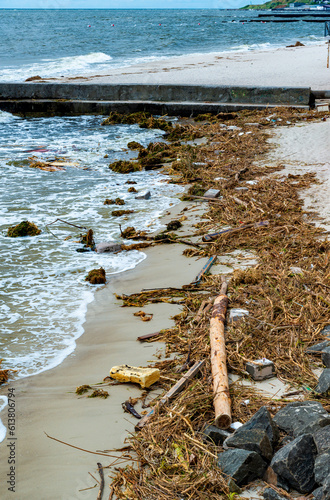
143	376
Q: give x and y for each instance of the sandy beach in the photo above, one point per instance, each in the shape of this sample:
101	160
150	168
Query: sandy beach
47	403
292	67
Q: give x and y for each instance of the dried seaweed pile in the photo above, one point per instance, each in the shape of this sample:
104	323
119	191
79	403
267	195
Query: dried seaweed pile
287	295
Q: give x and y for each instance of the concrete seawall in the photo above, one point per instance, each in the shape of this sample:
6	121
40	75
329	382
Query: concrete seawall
82	98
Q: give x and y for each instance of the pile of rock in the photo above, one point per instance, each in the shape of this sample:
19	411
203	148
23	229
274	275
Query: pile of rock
301	461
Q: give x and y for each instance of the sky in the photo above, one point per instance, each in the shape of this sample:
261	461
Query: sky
124	4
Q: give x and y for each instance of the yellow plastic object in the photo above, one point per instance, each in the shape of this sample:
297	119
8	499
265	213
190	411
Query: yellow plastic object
143	376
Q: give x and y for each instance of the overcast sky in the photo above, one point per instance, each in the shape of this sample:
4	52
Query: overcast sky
124	4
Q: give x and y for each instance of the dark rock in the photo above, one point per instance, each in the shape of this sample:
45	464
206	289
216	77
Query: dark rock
286	440
242	465
323	387
326	489
322	467
318	348
251	439
214	434
233	488
262	420
326	331
295	463
272	478
302	417
270	494
318	493
107	247
322	439
326	356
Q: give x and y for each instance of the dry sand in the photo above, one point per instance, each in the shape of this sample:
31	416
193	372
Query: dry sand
283	67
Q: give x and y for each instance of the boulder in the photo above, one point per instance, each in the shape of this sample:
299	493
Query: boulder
318	348
295	463
322	439
271	494
302	417
323	386
214	434
108	247
326	356
262	420
326	488
272	478
322	467
242	465
318	494
251	439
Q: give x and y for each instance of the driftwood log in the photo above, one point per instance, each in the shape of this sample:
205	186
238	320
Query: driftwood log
221	398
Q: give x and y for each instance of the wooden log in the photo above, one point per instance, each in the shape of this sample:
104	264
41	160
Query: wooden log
205	269
178	387
221	398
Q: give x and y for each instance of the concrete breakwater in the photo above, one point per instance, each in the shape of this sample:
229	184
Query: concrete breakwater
83	98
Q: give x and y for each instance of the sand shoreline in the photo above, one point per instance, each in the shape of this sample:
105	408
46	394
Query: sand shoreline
47	403
282	67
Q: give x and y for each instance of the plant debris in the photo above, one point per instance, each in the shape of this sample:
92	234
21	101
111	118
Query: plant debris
82	389
99	393
144	316
96	276
24	228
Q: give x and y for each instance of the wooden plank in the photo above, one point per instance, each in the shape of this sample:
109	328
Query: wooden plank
148	336
178	387
205	269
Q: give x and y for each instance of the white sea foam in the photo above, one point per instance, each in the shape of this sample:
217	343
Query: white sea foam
84	63
3	429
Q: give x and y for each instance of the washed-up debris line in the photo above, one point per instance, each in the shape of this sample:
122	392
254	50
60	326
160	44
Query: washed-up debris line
288	313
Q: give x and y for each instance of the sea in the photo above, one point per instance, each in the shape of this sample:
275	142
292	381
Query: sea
43	292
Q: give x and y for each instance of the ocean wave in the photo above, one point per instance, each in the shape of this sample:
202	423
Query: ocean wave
48	68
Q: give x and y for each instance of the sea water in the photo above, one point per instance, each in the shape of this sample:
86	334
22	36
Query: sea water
44	294
62	42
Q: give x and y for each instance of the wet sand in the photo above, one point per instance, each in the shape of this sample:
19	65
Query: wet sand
283	67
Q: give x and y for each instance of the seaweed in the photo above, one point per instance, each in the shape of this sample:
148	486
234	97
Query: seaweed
173	225
24	228
134	145
99	393
88	239
120	213
132	190
96	276
124	166
82	389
